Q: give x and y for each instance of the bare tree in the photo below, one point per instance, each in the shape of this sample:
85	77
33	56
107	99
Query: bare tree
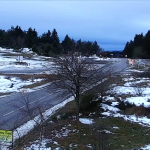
75	75
30	111
138	89
13	128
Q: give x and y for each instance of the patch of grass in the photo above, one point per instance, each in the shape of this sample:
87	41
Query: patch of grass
142	84
25	55
69	132
3	94
35	84
68	108
138	111
128	136
29	76
122	96
137	67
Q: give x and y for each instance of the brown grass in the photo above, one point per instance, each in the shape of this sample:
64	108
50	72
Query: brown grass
35	84
29	76
3	94
138	111
22	54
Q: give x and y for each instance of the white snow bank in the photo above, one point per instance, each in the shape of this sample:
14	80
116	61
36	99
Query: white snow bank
123	90
110	108
36	146
132	118
147	147
16	83
4	49
86	120
129	79
143	80
109	98
98	58
25	50
24	129
139	101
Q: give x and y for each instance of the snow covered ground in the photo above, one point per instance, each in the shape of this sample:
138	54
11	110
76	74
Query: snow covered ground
36	62
13	84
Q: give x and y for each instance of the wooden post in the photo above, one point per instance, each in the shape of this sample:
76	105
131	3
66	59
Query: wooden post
12	141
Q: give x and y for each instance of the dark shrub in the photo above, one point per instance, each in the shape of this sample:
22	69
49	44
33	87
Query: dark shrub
88	102
124	105
145	74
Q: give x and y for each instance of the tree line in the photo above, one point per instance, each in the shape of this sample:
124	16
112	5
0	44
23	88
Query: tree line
139	47
48	44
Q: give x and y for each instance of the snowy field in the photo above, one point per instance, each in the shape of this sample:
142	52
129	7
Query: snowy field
14	84
7	59
35	62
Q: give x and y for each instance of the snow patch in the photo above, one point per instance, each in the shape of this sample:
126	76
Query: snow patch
139	101
110	108
86	120
24	129
13	84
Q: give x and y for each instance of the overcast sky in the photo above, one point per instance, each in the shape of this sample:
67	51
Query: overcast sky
110	23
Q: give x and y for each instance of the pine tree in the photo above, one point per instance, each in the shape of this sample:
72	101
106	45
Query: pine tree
57	49
146	43
67	44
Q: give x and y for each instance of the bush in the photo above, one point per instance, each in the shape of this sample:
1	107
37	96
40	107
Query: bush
132	109
124	105
145	74
67	115
138	90
88	103
21	63
54	118
138	111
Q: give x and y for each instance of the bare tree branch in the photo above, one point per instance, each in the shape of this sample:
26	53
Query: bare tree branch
75	75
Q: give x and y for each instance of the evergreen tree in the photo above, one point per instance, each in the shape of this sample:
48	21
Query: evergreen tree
31	37
47	44
55	38
55	42
95	49
128	50
146	43
67	44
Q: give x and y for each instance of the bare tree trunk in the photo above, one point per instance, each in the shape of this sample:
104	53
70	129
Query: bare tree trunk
77	109
41	137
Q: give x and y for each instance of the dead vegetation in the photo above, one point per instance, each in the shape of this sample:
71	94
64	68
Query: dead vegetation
25	77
